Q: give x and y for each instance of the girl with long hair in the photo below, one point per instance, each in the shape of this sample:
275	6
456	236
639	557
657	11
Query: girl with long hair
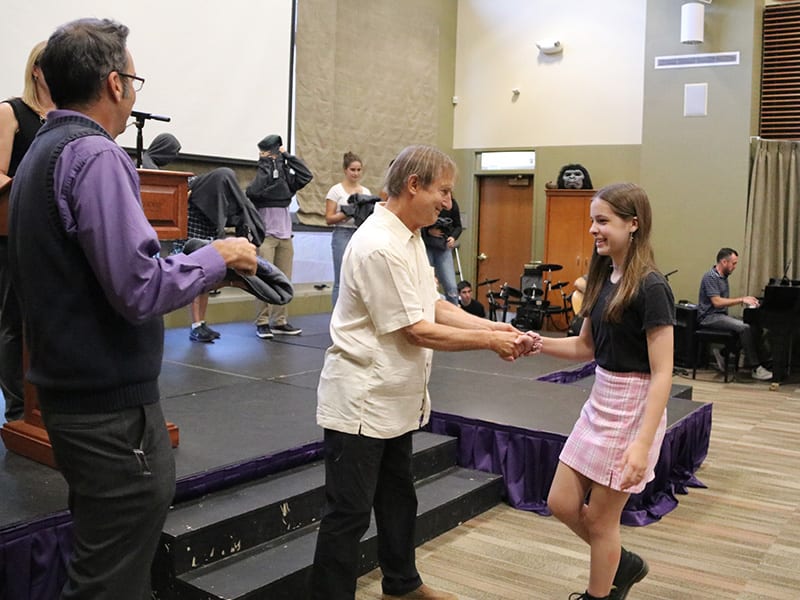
614	446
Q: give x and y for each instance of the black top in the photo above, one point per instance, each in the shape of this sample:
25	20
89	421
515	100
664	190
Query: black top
622	347
475	308
449	222
277	179
29	123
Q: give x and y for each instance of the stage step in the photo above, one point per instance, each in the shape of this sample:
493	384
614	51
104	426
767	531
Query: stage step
280	569
210	545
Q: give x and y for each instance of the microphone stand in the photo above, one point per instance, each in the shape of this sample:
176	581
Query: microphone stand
139	140
140	119
676	370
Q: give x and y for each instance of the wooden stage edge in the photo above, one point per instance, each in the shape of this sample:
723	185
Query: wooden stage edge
32	441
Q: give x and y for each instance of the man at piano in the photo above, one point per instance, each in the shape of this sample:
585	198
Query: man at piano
712	313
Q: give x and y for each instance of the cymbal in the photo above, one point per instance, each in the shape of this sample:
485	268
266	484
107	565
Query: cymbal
530	292
547	267
558	286
487	282
510	291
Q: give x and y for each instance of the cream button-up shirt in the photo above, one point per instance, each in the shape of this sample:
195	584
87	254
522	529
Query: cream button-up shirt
375	382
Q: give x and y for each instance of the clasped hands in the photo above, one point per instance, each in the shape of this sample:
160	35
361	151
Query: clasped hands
514	344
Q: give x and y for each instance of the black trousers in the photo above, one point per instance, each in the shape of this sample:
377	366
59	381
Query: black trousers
363	473
121	475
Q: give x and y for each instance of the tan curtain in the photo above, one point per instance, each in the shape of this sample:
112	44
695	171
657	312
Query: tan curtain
772	231
368	82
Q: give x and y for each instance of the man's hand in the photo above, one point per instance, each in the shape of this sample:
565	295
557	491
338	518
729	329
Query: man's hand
750	301
501	326
238	253
510	345
451	242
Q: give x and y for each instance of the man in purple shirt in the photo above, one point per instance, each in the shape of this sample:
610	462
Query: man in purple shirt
85	263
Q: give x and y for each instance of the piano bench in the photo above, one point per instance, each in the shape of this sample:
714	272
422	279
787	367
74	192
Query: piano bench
730	341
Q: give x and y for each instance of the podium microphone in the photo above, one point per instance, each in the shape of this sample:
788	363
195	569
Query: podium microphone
666	276
141	116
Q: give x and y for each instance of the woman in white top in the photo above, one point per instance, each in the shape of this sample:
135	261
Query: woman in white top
344	226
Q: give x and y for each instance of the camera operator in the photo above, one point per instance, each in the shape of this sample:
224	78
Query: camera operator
440	239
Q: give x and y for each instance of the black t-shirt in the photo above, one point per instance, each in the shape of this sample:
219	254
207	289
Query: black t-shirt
474	308
622	347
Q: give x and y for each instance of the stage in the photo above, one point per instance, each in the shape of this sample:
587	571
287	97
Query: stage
245	407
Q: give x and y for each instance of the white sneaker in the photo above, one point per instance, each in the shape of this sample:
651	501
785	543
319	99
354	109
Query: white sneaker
720	360
761	374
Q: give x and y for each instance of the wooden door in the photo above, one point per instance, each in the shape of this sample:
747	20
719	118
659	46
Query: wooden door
567	238
505	222
567	229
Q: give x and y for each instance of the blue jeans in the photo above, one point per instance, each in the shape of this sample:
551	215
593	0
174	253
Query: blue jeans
754	355
442	263
341	236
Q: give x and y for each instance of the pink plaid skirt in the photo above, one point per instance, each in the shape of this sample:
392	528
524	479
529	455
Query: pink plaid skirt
609	421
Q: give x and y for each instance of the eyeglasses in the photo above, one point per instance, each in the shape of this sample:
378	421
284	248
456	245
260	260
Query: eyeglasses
138	82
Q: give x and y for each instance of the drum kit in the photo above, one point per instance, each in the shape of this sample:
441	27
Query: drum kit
531	301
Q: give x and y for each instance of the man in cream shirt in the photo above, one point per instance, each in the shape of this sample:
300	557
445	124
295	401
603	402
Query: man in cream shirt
373	393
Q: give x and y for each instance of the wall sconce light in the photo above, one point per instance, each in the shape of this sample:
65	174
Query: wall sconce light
550	47
692	21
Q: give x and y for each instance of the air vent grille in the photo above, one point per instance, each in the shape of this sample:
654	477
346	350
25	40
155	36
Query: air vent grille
682	61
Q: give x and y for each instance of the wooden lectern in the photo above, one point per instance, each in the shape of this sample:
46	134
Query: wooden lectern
165	196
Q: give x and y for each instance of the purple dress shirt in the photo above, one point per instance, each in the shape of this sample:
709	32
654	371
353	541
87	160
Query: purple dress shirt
97	194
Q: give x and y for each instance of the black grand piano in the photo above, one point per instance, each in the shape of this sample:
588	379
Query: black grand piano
779	314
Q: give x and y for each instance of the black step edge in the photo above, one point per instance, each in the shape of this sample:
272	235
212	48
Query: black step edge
280	569
210	528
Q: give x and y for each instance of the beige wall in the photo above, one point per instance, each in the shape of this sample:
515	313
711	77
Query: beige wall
571	108
606	164
696	169
590	94
357	69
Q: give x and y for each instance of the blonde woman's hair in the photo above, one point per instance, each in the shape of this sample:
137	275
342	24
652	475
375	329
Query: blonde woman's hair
628	201
30	94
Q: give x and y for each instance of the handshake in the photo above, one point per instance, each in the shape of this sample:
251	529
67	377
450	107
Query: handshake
512	344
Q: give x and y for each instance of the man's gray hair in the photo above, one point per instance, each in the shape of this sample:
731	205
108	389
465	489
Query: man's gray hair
426	162
79	57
